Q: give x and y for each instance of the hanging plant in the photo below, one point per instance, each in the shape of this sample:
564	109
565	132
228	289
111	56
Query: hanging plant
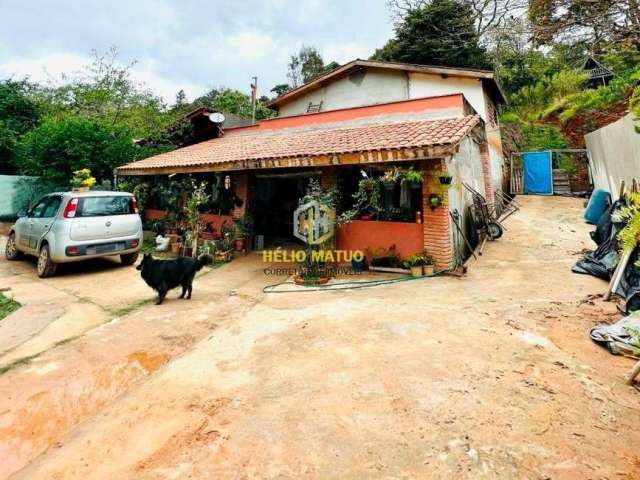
445	179
413	176
435	200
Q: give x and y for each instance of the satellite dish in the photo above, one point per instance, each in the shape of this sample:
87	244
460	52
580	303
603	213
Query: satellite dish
216	117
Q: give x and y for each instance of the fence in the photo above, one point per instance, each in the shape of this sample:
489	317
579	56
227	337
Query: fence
615	154
18	192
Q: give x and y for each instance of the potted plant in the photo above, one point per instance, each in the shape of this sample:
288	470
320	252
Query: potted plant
435	200
445	179
312	271
413	177
415	263
244	230
427	264
197	197
82	180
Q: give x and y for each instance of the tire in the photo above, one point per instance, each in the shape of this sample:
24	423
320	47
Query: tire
494	230
46	267
129	258
10	250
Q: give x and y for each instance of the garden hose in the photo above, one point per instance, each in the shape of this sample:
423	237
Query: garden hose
345	285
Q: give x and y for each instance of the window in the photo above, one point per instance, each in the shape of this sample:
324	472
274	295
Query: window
104	206
38	210
52	207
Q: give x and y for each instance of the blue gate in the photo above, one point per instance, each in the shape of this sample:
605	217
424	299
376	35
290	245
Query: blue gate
538	173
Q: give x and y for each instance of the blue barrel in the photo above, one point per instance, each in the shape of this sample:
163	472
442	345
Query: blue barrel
598	203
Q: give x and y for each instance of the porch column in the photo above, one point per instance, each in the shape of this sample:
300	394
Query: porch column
436	225
242	192
486	173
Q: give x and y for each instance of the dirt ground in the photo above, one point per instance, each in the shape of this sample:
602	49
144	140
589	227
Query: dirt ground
488	376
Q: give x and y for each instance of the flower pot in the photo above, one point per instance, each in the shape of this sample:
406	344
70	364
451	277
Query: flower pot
358	266
427	269
239	244
80	189
188	251
309	282
445	179
416	271
434	201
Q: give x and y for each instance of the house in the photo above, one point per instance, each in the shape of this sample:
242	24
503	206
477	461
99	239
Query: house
358	120
599	75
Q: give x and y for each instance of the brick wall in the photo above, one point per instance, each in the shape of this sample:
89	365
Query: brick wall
436	223
242	191
486	173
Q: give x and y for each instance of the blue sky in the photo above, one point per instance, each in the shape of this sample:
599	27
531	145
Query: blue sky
188	44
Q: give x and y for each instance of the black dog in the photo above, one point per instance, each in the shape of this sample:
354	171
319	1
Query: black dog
163	275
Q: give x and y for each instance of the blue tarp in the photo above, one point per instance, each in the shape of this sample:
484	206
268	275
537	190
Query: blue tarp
538	173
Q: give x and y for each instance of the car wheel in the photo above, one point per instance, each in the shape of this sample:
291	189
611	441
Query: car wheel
129	258
10	250
46	267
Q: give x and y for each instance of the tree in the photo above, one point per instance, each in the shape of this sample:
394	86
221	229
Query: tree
55	149
181	104
19	113
487	14
442	32
281	89
595	22
104	90
304	66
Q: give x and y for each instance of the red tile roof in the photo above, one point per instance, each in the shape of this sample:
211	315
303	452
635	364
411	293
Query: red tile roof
309	143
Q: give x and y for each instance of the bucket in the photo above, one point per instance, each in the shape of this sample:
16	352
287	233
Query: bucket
598	203
258	243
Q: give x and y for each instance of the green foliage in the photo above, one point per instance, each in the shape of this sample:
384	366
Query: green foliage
244	226
19	113
306	65
57	148
7	306
630	214
232	101
197	197
441	32
281	89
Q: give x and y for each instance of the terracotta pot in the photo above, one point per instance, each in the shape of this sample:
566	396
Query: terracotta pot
307	282
416	271
239	244
427	269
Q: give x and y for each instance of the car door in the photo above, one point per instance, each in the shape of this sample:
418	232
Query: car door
29	226
42	219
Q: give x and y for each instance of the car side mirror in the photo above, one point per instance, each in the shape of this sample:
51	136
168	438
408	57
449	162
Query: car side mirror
23	213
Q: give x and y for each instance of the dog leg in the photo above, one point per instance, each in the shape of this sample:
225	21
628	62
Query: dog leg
162	292
190	288
184	290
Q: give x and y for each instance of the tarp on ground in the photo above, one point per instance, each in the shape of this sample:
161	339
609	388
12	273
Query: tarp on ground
622	337
538	173
603	261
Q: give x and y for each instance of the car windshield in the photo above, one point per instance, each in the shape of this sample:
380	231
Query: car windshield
104	206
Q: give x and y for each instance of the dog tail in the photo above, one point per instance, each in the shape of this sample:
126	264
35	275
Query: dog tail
203	260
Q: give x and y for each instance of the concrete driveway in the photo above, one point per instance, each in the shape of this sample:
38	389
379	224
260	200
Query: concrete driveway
487	376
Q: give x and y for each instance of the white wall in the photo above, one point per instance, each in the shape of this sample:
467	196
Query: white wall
615	154
427	85
366	87
465	167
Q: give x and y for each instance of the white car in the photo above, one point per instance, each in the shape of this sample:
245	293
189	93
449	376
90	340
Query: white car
72	226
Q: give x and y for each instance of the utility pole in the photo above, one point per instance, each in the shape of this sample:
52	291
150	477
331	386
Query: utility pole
254	98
